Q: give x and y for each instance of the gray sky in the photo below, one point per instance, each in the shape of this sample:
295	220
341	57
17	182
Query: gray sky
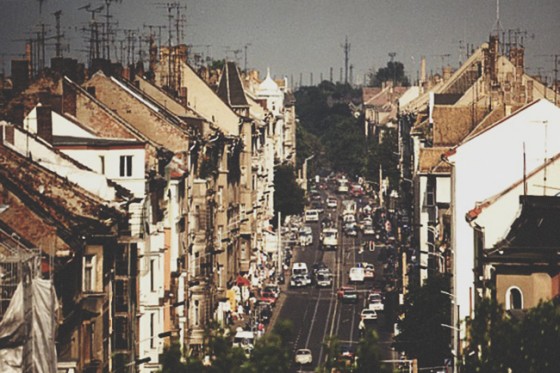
295	37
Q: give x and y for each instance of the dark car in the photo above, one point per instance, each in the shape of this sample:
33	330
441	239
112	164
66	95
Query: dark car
347	294
345	356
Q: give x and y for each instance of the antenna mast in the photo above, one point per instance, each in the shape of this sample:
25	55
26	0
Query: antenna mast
346	48
59	35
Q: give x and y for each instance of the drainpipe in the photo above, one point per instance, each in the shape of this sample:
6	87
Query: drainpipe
455	309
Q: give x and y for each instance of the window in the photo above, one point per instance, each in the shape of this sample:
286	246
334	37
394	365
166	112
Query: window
120	327
102	164
152	275
126	166
121	296
91	339
220	198
152	327
514	298
196	316
88	275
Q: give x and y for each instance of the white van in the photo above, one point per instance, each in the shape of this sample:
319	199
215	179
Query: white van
311	215
300	270
245	340
357	274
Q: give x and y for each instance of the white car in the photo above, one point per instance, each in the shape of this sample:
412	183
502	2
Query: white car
332	203
311	216
356	274
368	314
375	302
303	356
368	229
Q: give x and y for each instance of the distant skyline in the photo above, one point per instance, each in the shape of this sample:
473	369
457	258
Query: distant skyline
303	37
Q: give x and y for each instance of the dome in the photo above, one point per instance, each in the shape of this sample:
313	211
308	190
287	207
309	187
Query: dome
268	85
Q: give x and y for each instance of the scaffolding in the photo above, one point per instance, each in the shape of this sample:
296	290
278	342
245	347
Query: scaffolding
20	266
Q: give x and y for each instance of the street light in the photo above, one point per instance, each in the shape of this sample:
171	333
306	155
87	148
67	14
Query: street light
304	170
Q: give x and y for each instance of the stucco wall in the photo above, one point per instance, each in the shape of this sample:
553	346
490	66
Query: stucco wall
534	287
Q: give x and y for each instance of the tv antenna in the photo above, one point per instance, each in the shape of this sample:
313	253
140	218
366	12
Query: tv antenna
346	49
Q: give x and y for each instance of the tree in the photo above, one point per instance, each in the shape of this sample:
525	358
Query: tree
288	195
345	145
393	72
272	352
500	341
422	335
369	359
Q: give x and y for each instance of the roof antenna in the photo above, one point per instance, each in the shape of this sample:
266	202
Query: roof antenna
498	25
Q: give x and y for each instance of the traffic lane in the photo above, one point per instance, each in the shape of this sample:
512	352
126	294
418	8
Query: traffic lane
309	310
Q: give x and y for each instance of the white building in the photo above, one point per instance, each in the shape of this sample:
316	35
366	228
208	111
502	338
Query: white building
486	163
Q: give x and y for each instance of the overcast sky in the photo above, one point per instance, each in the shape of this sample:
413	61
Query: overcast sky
295	37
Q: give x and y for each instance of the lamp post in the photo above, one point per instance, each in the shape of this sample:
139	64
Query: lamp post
456	329
304	171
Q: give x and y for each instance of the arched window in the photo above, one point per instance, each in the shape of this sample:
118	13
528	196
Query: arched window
514	298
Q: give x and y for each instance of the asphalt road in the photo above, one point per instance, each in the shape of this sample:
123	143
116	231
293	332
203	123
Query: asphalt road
317	314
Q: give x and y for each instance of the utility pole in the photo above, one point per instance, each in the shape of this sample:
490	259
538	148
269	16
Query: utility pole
555	70
59	35
346	48
392	62
245	47
108	33
93	32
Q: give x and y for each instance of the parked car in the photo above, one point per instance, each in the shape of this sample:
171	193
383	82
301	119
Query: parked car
274	289
303	356
268	297
347	294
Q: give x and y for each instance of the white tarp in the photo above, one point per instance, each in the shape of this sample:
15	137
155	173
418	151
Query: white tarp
12	332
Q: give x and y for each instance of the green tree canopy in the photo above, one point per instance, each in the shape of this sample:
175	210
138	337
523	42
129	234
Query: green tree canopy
288	196
369	359
521	342
422	335
393	72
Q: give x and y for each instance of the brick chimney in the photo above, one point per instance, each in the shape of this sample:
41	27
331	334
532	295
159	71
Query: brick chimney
68	99
44	123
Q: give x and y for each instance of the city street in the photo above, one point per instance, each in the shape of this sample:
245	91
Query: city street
317	314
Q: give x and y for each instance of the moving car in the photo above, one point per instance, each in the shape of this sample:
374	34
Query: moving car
369	270
329	239
368	314
303	356
345	356
375	302
323	280
298	281
311	215
332	203
356	274
347	294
